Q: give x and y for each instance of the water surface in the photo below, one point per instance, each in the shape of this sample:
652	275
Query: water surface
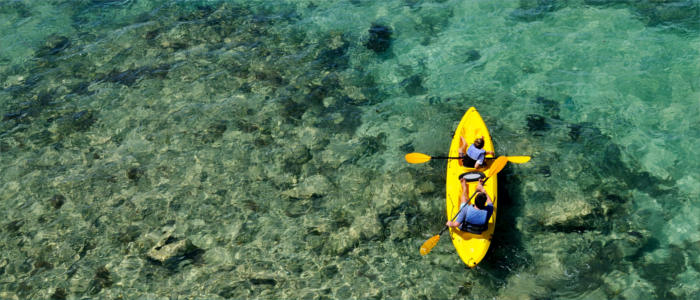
254	149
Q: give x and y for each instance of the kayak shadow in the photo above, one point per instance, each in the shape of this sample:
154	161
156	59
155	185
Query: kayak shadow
507	253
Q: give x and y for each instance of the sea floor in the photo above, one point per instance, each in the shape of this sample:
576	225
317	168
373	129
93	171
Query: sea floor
254	149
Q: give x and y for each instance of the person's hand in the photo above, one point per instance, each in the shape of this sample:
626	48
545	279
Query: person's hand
480	186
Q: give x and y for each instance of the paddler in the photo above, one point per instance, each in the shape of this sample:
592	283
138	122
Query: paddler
473	218
475	155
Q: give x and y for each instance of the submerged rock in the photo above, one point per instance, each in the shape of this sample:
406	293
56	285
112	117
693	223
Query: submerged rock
171	251
379	38
14	226
568	212
134	174
297	154
102	279
316	185
473	55
53	45
627	285
366	226
537	123
82	119
632	242
57	201
131	76
662	267
414	85
349	235
70	122
14	115
59	294
566	261
551	107
335	57
399	228
263	281
214	132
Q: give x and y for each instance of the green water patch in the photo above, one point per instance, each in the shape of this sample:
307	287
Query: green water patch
683	15
603	209
532	10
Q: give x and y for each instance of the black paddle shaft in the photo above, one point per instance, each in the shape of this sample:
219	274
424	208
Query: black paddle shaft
459	157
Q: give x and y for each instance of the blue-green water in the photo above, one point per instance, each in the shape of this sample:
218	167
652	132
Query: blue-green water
254	149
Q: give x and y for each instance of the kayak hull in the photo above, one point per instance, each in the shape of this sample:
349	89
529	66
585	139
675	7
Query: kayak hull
471	247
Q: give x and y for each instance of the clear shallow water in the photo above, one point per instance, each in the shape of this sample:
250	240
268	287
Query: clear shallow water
255	149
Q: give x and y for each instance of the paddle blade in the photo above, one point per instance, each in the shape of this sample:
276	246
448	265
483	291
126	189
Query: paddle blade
417	158
498	165
518	159
429	244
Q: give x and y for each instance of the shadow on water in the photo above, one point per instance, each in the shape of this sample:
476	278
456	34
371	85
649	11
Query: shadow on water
507	252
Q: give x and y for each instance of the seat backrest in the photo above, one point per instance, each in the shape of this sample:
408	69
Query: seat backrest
475	229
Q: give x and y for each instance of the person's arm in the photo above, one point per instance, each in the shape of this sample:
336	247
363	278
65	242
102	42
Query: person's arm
465	191
462	199
480	162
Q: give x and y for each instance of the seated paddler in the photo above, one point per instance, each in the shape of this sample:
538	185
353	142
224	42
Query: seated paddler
474	217
475	155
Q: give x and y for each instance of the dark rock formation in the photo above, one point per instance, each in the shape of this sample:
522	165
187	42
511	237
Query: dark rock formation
57	201
379	38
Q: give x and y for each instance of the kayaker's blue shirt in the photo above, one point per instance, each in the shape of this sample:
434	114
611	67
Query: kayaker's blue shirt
476	154
475	216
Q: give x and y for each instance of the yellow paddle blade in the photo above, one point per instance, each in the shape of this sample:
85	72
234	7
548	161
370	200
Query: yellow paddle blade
417	158
498	165
429	244
518	159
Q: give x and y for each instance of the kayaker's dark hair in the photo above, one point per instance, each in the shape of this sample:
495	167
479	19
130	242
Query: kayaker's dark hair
479	143
480	200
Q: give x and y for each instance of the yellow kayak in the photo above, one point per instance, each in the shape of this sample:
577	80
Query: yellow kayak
470	247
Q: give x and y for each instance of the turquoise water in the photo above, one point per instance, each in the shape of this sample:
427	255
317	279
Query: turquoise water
254	149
